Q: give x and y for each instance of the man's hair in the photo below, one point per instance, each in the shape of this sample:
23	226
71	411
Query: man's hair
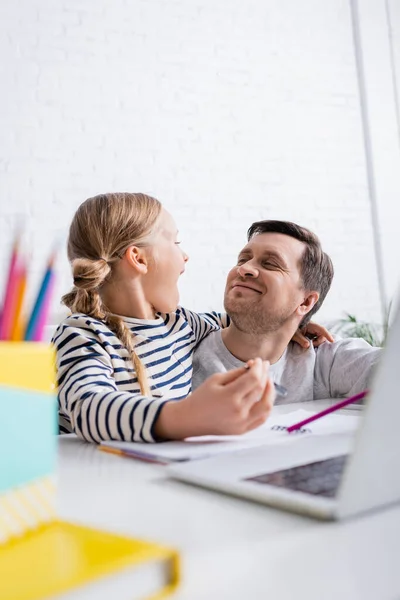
316	268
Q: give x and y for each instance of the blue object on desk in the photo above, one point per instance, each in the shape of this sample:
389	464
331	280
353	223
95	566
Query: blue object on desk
28	427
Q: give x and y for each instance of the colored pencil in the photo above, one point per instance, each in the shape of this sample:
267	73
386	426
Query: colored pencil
279	389
327	411
41	307
128	454
8	311
17	332
45	310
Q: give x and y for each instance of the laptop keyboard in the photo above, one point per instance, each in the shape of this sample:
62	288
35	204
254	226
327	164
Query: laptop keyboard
320	478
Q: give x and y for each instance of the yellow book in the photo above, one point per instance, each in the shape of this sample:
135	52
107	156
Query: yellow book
62	557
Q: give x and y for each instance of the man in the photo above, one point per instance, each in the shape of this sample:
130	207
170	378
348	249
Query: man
281	279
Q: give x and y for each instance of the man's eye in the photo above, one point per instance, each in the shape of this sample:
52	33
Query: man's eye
269	265
241	261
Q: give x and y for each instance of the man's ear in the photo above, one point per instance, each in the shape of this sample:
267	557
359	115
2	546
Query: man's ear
136	257
309	301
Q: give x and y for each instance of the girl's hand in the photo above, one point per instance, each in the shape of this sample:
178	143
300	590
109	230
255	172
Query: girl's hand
225	404
315	332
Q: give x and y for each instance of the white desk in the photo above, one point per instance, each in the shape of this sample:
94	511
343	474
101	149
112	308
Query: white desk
232	548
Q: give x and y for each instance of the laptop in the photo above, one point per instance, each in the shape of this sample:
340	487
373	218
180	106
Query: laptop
331	477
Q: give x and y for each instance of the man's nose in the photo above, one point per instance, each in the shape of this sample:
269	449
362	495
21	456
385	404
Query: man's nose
247	270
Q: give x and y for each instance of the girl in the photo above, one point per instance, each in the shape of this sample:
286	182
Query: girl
125	353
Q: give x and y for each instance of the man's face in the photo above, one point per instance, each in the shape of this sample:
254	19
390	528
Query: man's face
264	290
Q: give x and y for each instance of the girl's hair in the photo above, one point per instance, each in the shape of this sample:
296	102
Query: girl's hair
102	229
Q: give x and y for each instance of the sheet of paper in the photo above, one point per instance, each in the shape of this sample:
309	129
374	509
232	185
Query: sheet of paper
271	433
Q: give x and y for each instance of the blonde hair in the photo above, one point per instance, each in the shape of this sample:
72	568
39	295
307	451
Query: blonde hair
102	229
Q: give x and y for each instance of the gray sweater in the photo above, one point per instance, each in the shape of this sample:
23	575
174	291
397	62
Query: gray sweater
333	370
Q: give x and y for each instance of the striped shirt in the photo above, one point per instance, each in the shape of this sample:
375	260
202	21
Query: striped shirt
99	396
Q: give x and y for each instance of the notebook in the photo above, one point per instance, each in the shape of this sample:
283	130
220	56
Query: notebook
80	562
197	448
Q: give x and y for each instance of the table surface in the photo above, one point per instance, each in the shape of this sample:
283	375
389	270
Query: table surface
232	548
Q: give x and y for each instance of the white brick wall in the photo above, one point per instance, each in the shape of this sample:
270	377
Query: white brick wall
227	111
379	32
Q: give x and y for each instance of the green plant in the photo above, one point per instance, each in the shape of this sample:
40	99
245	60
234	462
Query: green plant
372	333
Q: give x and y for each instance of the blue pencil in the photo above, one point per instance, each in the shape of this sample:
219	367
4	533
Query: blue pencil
40	302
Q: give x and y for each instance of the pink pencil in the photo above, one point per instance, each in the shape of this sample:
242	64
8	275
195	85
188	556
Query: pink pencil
11	293
327	411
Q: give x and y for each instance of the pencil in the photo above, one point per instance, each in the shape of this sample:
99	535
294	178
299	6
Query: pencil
10	293
39	314
279	389
45	310
17	326
327	411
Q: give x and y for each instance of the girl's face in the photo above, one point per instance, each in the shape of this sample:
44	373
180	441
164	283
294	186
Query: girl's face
166	263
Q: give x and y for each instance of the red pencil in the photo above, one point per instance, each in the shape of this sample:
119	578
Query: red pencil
327	411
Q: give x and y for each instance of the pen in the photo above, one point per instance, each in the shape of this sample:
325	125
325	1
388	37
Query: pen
327	411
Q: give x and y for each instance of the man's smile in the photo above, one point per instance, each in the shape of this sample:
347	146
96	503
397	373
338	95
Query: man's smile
242	285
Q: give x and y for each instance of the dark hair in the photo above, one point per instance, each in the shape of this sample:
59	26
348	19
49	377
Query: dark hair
316	267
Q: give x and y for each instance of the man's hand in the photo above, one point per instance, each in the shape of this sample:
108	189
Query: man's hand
313	331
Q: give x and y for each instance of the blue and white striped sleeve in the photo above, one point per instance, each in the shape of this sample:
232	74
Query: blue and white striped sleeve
203	323
88	394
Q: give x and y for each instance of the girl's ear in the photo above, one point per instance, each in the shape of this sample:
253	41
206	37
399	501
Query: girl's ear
309	301
136	258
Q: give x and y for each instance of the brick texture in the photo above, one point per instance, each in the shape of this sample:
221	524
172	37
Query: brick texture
226	111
